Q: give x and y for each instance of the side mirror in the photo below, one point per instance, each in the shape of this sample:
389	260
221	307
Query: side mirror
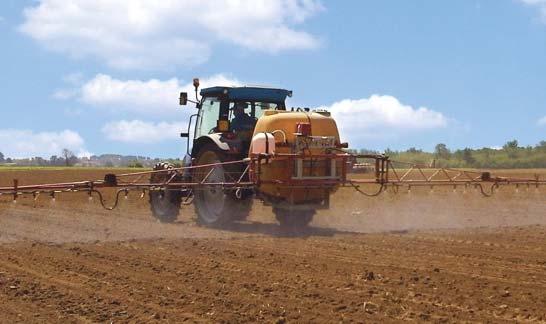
183	98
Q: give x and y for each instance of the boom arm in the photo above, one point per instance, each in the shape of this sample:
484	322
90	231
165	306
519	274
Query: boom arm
385	175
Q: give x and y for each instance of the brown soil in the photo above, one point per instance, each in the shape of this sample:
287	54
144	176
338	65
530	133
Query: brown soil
440	257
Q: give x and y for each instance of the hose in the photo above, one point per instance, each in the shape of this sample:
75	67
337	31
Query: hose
375	194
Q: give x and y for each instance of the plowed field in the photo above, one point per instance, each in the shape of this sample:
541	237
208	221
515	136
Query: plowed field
440	257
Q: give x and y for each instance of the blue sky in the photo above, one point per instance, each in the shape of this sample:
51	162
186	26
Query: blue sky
103	76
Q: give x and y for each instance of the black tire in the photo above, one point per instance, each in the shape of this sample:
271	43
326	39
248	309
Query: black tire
215	206
165	204
293	219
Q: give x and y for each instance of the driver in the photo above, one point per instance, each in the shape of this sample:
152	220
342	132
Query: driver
242	121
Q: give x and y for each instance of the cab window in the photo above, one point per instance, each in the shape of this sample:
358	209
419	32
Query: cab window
209	114
254	109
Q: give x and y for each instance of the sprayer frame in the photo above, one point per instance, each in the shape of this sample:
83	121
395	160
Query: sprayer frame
385	175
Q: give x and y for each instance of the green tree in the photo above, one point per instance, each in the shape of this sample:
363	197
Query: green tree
69	157
511	145
1	157
441	151
414	150
468	157
55	160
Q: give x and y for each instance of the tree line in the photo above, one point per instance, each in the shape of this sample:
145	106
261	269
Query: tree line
67	158
510	156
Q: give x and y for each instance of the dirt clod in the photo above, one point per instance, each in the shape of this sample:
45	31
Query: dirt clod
280	320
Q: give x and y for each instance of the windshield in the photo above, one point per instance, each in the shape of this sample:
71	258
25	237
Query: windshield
253	109
209	113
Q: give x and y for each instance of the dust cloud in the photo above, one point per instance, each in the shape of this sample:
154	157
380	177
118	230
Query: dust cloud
81	220
73	218
441	209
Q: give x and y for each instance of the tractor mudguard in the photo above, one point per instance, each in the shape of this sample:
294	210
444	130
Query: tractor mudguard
230	146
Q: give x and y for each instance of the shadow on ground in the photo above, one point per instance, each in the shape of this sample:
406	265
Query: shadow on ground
276	230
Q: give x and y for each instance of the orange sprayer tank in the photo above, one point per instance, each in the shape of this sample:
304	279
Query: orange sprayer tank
284	125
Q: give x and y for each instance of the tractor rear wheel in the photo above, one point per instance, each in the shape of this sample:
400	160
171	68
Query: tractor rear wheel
165	204
293	219
214	205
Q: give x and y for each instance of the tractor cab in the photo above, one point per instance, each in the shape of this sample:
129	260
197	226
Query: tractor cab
227	116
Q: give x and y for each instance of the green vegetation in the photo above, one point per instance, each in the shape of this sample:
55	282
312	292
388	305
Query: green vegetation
510	156
135	164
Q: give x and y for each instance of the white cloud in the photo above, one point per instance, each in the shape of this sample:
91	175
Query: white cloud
137	131
16	143
143	34
534	2
65	94
379	116
151	97
539	4
542	121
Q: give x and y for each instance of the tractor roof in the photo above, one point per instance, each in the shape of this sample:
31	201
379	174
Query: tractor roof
249	93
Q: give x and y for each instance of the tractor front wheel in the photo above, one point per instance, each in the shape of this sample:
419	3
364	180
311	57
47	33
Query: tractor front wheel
165	204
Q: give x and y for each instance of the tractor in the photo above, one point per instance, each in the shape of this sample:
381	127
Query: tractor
247	145
239	124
